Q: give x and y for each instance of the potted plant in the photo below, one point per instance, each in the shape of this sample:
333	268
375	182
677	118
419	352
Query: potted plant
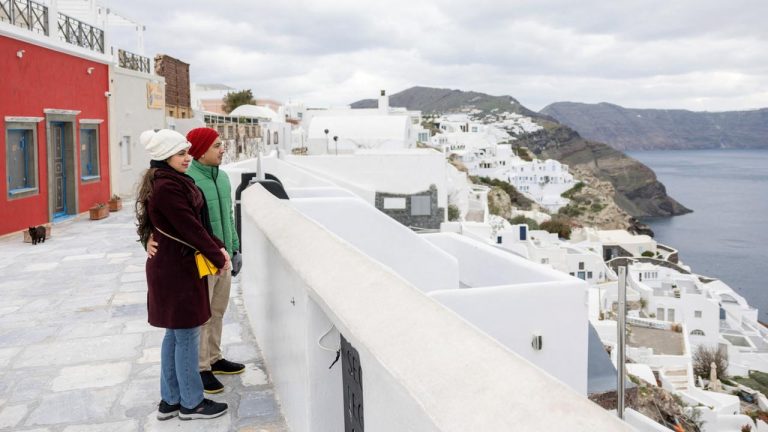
115	203
99	211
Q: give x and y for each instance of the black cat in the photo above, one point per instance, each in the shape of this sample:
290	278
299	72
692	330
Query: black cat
37	234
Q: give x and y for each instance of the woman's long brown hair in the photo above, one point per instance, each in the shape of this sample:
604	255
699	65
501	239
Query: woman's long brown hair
143	192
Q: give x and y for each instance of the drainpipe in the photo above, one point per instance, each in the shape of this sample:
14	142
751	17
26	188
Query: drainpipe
53	20
621	343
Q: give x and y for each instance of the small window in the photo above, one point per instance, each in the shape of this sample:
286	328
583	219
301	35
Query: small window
274	141
125	151
589	275
572	273
21	156
89	154
697	332
421	205
581	265
582	275
697	314
546	261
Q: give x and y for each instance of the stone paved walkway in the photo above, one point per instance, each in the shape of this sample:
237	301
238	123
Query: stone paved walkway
76	352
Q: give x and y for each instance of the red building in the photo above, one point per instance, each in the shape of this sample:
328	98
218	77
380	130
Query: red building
53	108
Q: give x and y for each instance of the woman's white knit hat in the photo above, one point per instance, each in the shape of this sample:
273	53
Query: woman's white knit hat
163	143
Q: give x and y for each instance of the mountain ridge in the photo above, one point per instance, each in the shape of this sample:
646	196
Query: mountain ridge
663	129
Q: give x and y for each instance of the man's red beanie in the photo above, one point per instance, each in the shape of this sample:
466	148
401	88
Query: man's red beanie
201	140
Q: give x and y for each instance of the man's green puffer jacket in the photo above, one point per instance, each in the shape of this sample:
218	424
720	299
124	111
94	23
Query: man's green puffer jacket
217	190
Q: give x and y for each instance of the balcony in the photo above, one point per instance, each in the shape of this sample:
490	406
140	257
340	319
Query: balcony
129	60
34	17
25	14
76	32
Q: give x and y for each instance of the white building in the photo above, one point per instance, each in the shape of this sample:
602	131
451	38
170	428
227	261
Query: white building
477	145
581	260
137	104
349	133
676	297
349	129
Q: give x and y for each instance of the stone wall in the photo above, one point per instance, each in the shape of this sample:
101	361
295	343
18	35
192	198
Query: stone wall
405	216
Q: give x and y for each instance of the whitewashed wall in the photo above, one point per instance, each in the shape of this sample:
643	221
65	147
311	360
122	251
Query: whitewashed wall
513	299
424	368
408	171
129	116
384	239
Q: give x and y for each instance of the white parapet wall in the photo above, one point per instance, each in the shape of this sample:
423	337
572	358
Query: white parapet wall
423	367
515	300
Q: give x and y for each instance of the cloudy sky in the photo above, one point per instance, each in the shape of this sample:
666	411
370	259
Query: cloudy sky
698	55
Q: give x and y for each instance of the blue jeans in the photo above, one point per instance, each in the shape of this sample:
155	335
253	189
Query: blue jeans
179	377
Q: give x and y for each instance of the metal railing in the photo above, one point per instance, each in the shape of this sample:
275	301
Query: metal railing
25	14
129	60
78	33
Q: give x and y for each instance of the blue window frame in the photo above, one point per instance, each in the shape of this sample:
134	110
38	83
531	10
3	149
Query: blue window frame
21	157
89	154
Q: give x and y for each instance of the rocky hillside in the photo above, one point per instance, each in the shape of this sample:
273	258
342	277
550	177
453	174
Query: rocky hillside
637	191
651	129
593	204
438	101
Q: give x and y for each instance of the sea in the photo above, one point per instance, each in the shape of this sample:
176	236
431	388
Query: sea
726	236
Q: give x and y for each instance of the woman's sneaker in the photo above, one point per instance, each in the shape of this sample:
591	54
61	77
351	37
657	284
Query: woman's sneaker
207	409
166	411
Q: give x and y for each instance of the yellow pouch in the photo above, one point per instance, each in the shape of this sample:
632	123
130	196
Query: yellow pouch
204	266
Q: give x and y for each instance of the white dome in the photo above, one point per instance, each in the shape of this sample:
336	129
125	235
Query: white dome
256	111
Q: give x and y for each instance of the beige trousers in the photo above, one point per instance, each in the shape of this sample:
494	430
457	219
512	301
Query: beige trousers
210	333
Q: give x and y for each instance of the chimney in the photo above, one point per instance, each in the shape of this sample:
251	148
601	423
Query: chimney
383	103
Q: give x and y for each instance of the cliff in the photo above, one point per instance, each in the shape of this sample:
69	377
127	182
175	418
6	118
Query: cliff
637	191
655	129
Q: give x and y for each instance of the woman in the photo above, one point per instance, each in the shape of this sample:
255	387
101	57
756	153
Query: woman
171	209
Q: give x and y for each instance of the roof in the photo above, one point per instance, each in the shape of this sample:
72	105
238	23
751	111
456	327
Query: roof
256	112
622	237
214	86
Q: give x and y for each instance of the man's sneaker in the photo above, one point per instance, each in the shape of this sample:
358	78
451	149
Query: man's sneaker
166	411
227	367
207	409
211	385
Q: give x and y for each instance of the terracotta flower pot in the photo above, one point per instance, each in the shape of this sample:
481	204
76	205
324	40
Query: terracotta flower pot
97	213
115	205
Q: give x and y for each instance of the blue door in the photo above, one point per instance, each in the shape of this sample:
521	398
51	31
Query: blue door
59	171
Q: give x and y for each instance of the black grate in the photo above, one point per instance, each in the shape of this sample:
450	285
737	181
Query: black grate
352	380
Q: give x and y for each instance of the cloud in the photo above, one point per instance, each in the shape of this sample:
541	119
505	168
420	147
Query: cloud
702	55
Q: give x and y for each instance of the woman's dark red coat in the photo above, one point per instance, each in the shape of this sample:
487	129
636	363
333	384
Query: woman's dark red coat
177	298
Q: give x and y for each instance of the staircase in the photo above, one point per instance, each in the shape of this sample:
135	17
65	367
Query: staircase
677	377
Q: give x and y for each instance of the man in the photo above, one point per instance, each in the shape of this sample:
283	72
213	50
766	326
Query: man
208	151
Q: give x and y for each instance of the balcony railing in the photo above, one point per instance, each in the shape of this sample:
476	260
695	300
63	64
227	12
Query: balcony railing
33	16
78	33
25	14
129	60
